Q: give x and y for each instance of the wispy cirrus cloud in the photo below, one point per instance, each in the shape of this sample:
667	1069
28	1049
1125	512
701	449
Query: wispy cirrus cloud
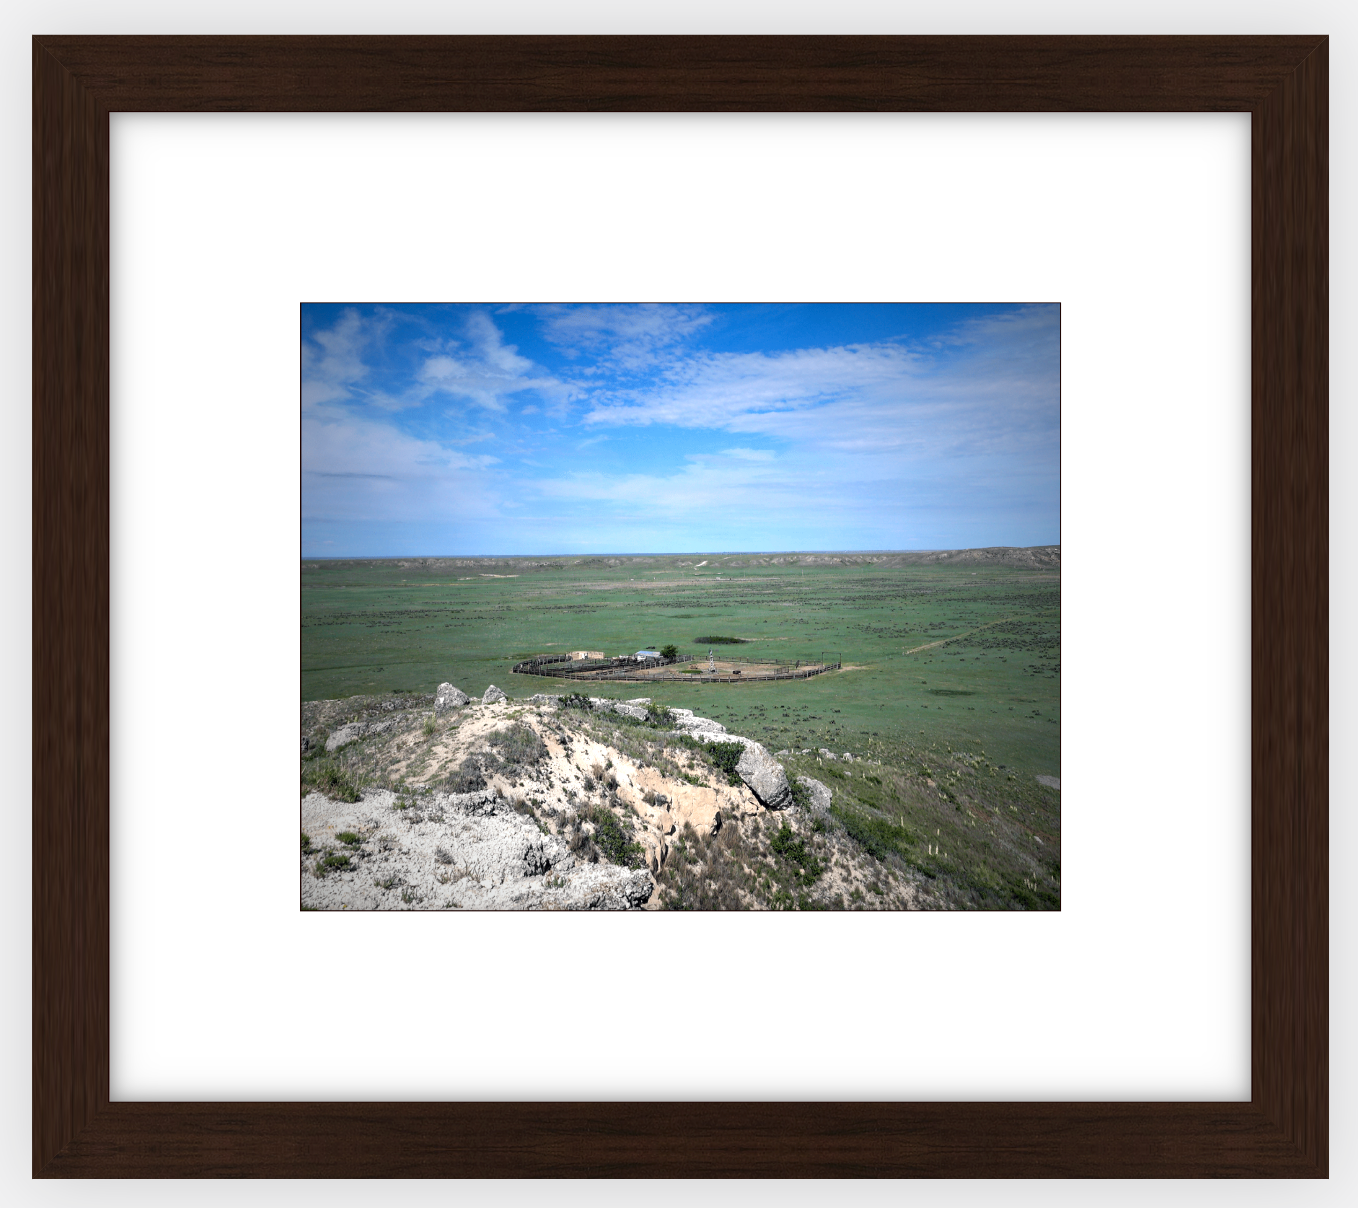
627	338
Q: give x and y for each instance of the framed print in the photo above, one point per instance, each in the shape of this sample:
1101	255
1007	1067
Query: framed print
825	443
79	83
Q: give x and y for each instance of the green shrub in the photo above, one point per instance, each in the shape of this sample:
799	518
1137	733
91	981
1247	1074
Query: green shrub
659	716
306	844
792	849
615	841
801	795
349	839
331	863
716	640
576	700
726	755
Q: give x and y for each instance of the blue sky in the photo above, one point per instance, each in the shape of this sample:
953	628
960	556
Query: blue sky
662	428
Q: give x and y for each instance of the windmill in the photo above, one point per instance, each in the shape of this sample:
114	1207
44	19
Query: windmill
711	662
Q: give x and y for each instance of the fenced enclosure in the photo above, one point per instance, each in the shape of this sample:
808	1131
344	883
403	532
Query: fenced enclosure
628	670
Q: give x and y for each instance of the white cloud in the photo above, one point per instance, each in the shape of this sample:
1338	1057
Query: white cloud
630	338
331	360
356	469
996	383
489	373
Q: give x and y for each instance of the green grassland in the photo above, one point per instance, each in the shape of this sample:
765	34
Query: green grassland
961	727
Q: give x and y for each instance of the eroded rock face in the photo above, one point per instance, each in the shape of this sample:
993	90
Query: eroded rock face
438	851
764	776
449	697
492	695
540	854
820	794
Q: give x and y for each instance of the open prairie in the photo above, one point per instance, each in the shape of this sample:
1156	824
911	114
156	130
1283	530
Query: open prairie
967	654
949	684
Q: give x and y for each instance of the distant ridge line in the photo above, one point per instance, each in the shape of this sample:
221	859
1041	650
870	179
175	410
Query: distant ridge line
1034	557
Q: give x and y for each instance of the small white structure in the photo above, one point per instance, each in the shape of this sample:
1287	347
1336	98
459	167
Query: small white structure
587	654
643	655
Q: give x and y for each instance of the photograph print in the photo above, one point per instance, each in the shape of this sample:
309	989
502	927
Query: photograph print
678	606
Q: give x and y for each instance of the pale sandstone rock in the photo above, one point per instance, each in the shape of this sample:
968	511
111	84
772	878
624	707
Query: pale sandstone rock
820	794
449	697
765	777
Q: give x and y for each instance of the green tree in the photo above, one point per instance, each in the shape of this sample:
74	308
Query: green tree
669	652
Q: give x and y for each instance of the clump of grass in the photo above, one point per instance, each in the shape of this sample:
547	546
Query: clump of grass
306	844
518	746
331	863
576	700
467	777
332	780
349	839
707	873
429	727
874	835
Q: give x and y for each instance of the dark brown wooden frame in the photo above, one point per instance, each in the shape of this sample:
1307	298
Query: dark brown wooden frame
1281	81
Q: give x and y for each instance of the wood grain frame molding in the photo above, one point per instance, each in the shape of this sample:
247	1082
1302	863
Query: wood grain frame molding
1282	82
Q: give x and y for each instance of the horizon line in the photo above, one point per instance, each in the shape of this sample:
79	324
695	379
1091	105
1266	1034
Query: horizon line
684	553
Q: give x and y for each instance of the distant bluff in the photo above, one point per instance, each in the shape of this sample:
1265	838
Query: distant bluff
1036	557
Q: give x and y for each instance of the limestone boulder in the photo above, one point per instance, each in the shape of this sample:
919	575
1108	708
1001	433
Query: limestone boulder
492	695
449	697
764	777
820	794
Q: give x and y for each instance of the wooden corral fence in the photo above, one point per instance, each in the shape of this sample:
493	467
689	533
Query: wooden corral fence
624	670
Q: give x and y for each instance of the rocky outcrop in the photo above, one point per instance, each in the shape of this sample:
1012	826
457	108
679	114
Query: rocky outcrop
492	695
449	697
702	728
355	730
539	855
764	776
820	794
460	851
483	804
